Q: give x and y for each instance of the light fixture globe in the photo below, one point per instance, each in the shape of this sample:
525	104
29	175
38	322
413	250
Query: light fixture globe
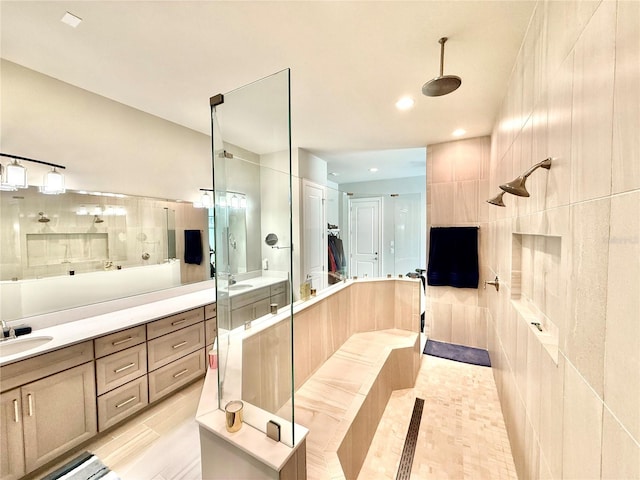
16	175
53	183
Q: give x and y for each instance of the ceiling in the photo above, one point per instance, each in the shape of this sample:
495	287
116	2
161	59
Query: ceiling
350	62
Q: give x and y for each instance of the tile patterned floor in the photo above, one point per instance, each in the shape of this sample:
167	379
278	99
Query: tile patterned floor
462	433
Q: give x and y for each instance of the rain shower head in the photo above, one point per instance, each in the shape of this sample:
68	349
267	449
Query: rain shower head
497	200
442	84
43	218
517	186
97	219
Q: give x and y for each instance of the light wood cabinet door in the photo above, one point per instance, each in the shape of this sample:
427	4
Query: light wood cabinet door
59	412
11	443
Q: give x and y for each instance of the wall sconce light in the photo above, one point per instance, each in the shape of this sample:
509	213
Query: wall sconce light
517	186
205	198
15	176
497	200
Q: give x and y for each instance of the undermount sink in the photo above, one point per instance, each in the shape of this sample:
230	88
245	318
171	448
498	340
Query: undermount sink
19	345
240	286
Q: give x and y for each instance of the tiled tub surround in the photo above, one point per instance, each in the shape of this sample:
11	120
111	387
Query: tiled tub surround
574	96
323	325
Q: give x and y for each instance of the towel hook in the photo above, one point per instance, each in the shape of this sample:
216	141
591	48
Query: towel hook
495	283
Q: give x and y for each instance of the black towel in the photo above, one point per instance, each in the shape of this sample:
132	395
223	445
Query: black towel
192	247
453	257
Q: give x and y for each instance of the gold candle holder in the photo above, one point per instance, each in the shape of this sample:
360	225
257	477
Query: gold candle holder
233	413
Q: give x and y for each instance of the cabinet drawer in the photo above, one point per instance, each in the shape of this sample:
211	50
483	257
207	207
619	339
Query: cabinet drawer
171	347
174	322
278	288
241	315
210	310
118	341
118	404
170	377
210	329
25	371
253	296
280	299
120	368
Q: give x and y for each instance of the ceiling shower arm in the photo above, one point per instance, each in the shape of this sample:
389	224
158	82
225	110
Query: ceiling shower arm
442	42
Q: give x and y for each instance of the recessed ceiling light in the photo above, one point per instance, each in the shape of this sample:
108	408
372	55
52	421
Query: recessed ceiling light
459	132
373	169
71	20
405	103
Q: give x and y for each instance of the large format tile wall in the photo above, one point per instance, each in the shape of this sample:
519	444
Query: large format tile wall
457	186
574	95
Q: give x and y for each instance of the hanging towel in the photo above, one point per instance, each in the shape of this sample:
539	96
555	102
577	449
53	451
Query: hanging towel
192	247
453	257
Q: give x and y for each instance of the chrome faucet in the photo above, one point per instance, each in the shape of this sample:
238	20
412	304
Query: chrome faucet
5	329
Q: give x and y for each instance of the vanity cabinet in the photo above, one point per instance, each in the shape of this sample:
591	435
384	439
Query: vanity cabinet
257	303
121	375
59	412
11	439
175	352
51	409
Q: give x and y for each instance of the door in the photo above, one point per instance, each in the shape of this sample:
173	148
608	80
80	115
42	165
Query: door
314	235
59	413
11	443
365	237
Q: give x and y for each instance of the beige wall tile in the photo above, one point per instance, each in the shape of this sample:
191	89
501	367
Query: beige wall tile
584	343
466	156
582	432
441	328
441	165
620	453
622	341
559	135
442	211
626	110
466	203
533	379
552	412
592	108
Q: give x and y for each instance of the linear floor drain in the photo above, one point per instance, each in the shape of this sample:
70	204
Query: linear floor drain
409	450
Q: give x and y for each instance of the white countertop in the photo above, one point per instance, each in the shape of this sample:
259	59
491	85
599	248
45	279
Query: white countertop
93	326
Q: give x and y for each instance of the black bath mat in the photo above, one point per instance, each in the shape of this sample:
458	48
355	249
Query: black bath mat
458	353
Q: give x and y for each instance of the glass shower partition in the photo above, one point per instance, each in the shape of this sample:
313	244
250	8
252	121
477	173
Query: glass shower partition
251	149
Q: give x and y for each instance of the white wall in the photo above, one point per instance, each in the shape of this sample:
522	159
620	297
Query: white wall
105	145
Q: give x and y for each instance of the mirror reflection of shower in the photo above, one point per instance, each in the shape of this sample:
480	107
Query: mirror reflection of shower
232	207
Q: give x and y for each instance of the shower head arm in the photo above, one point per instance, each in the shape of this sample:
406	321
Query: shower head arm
546	163
442	42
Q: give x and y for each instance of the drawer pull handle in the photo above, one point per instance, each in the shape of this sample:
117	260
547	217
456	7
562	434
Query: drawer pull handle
178	322
16	414
120	342
181	344
126	402
30	402
179	374
126	367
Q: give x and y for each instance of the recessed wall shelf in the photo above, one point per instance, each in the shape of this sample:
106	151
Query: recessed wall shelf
536	291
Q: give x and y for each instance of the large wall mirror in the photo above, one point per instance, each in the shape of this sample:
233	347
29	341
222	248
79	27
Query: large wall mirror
77	248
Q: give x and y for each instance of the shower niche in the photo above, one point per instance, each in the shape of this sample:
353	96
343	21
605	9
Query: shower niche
537	292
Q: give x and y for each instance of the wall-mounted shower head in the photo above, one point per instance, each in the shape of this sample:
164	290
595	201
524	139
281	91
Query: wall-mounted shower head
97	219
497	200
442	84
43	218
517	186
